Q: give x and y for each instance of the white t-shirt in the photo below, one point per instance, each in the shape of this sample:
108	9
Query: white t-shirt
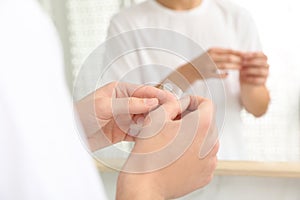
215	23
41	155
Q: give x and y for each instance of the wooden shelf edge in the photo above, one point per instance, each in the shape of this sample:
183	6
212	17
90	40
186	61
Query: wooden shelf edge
246	168
259	169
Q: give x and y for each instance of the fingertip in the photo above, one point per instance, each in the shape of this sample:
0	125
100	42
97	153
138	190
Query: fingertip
151	102
225	75
221	76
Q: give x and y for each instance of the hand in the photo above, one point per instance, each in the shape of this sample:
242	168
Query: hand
253	76
188	172
216	61
255	69
212	64
107	114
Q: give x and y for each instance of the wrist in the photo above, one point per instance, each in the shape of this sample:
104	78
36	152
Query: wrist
137	187
249	88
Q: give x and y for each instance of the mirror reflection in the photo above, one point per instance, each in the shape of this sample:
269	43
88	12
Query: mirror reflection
255	55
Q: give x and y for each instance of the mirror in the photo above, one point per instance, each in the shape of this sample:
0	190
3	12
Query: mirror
273	137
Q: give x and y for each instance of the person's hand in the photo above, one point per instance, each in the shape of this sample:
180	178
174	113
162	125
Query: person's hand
255	68
107	114
217	61
181	141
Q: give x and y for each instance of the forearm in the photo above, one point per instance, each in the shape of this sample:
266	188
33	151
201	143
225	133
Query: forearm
255	99
137	187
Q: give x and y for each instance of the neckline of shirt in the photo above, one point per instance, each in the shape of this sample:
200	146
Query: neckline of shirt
197	10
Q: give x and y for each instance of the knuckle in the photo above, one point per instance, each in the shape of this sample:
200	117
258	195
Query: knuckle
210	50
262	71
131	101
101	105
222	66
230	59
112	84
257	81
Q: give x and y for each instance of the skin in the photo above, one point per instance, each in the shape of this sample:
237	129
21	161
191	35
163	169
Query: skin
106	114
253	68
167	182
180	4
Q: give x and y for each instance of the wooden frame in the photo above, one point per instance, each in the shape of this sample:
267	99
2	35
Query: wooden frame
247	168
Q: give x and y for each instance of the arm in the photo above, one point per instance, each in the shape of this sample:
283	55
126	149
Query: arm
137	186
254	94
255	99
206	66
253	69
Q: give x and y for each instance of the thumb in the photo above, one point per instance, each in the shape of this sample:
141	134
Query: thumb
133	105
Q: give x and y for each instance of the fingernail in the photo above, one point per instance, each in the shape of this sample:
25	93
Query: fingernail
151	102
134	130
140	121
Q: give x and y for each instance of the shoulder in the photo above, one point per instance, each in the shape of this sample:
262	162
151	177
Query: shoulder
232	10
135	12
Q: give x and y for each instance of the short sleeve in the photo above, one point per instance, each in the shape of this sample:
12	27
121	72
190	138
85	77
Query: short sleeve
248	36
113	28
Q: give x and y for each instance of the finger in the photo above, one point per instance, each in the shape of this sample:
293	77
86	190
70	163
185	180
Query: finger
228	66
172	109
122	90
257	62
144	91
129	138
189	104
152	92
106	108
224	51
133	105
254	80
219	75
195	102
251	55
225	57
138	117
137	125
255	71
